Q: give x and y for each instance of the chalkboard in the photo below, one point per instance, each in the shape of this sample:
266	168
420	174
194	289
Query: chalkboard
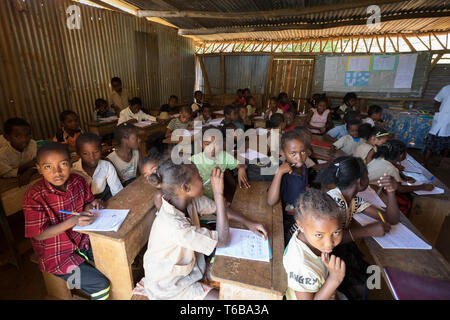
379	83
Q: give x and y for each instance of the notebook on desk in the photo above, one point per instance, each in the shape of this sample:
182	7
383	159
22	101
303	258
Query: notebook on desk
408	286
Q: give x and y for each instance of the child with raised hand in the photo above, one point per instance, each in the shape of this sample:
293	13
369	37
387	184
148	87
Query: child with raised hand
374	136
319	119
313	272
350	142
174	263
133	113
182	122
99	174
384	163
69	131
127	157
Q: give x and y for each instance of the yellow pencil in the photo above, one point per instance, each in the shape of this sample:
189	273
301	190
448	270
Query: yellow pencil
381	216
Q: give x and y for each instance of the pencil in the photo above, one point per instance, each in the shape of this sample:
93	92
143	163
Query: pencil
73	213
381	216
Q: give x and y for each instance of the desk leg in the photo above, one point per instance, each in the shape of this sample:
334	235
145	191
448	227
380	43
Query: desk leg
111	259
9	238
236	292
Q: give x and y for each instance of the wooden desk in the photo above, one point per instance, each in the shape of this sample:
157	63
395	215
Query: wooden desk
300	120
157	129
102	128
114	252
324	153
254	280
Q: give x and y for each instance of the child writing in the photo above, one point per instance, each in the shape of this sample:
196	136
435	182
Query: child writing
182	122
126	158
319	119
69	131
102	110
350	142
313	272
100	175
17	155
375	114
134	114
374	136
174	262
58	248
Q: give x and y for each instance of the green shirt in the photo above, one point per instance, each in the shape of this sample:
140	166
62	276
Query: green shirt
206	165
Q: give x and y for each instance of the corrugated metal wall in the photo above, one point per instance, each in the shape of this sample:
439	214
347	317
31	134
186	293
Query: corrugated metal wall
46	68
439	78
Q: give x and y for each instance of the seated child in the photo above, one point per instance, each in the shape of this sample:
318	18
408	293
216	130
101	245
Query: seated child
182	122
18	153
383	163
69	131
375	114
291	178
288	121
100	175
350	176
205	115
102	110
374	136
243	117
134	114
340	131
251	106
197	104
283	102
313	273
240	98
170	107
231	116
349	104
174	262
58	248
319	119
126	157
149	166
350	142
272	108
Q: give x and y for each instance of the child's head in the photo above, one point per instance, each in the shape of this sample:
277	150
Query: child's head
209	144
365	131
319	219
198	95
180	181
375	112
69	121
18	132
250	100
378	136
173	100
277	121
352	127
116	84
230	113
321	105
242	112
315	98
206	111
101	105
393	150
294	147
273	104
350	99
288	118
283	98
89	148
151	162
246	92
53	162
239	93
127	135
345	173
185	114
135	105
351	115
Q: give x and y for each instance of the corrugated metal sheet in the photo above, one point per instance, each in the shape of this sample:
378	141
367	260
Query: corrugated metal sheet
47	68
439	77
245	72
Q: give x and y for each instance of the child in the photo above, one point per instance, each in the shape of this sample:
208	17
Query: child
198	103
283	102
288	121
314	100
384	161
246	92
339	131
134	114
231	116
319	119
375	114
350	100
69	131
205	116
182	122
170	107
17	155
174	262
272	108
243	117
58	248
350	176
99	174
276	121
291	178
374	136
126	158
119	96
240	97
313	272
149	166
350	142
251	106
102	110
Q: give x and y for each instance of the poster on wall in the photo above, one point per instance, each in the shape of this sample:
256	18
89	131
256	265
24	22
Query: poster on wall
384	62
405	70
357	79
358	63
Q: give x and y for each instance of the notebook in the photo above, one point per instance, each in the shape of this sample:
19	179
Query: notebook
143	124
371	196
215	122
408	286
108	119
107	220
252	155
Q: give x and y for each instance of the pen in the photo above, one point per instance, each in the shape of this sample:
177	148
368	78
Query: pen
73	213
381	216
206	181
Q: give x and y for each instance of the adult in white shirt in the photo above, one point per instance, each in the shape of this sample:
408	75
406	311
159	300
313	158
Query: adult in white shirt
134	114
438	138
118	98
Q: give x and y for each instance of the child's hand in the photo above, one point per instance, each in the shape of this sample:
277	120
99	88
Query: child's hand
388	183
284	168
335	266
85	219
242	178
257	228
410	179
216	181
378	229
97	204
427	187
322	130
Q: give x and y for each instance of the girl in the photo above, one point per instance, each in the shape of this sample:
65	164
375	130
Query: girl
350	100
174	263
251	106
272	108
126	158
375	114
319	118
243	117
384	161
350	176
182	122
288	121
69	131
149	166
350	142
240	98
283	102
133	113
374	136
308	254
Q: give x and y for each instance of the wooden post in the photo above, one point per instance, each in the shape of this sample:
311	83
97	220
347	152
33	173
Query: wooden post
222	67
268	78
205	75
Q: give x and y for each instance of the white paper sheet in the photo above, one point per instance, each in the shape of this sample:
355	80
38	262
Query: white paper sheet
420	178
409	167
258	117
371	196
363	219
244	244
215	122
400	237
143	124
405	70
252	154
218	112
107	220
330	78
383	62
320	161
436	190
109	119
358	63
261	131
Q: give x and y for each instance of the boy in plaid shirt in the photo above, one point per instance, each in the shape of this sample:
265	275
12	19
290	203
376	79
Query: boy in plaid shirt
59	249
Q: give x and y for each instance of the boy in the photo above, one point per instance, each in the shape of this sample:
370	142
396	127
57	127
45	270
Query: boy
101	110
350	142
339	131
17	155
231	116
118	98
134	114
170	107
99	174
198	102
205	116
59	249
182	122
375	114
69	131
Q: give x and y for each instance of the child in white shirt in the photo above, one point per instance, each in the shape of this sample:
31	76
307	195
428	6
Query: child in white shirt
134	114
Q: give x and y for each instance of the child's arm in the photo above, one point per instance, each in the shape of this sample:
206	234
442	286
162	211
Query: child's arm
254	227
329	125
425	187
242	177
157	200
59	228
222	228
273	195
168	133
369	156
329	138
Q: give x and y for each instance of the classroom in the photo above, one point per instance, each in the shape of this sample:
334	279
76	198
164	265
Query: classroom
224	150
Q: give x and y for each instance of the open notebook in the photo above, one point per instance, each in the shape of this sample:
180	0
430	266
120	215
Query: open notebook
107	220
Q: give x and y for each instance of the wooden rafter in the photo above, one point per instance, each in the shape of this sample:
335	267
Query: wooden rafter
411	47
